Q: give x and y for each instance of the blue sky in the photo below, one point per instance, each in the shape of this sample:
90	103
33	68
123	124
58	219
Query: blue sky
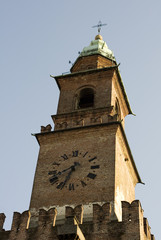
38	38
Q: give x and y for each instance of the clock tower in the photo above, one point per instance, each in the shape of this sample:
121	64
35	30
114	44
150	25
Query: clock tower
87	159
84	185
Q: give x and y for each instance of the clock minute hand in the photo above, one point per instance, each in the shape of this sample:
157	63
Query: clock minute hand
67	178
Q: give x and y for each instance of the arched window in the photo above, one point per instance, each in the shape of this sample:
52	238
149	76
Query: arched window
86	98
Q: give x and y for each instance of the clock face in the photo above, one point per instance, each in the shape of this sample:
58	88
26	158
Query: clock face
73	170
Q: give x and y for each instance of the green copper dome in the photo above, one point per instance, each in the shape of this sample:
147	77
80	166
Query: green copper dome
98	46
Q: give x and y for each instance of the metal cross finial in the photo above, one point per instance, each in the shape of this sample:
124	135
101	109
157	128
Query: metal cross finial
99	25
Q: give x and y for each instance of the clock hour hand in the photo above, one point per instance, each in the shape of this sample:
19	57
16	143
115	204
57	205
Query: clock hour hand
55	173
71	167
59	173
54	178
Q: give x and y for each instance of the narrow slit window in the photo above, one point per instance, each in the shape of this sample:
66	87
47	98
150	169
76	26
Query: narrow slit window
117	108
86	98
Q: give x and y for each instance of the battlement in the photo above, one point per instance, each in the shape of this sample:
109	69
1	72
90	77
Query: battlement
131	211
133	224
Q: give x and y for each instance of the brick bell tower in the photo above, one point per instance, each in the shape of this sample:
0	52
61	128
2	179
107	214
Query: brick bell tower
87	159
84	186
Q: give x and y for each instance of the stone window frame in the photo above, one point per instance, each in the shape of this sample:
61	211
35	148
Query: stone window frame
77	97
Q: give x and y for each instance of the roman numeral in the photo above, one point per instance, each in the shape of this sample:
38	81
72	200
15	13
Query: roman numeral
71	186
53	179
61	185
95	166
85	154
75	153
91	175
55	163
65	157
92	159
52	172
83	184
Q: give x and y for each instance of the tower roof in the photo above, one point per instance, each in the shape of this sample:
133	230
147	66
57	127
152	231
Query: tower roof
98	46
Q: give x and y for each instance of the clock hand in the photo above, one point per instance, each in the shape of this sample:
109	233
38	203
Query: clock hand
54	178
54	173
71	167
76	164
59	173
69	174
66	179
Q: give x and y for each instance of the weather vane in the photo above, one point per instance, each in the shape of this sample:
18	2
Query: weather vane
99	25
